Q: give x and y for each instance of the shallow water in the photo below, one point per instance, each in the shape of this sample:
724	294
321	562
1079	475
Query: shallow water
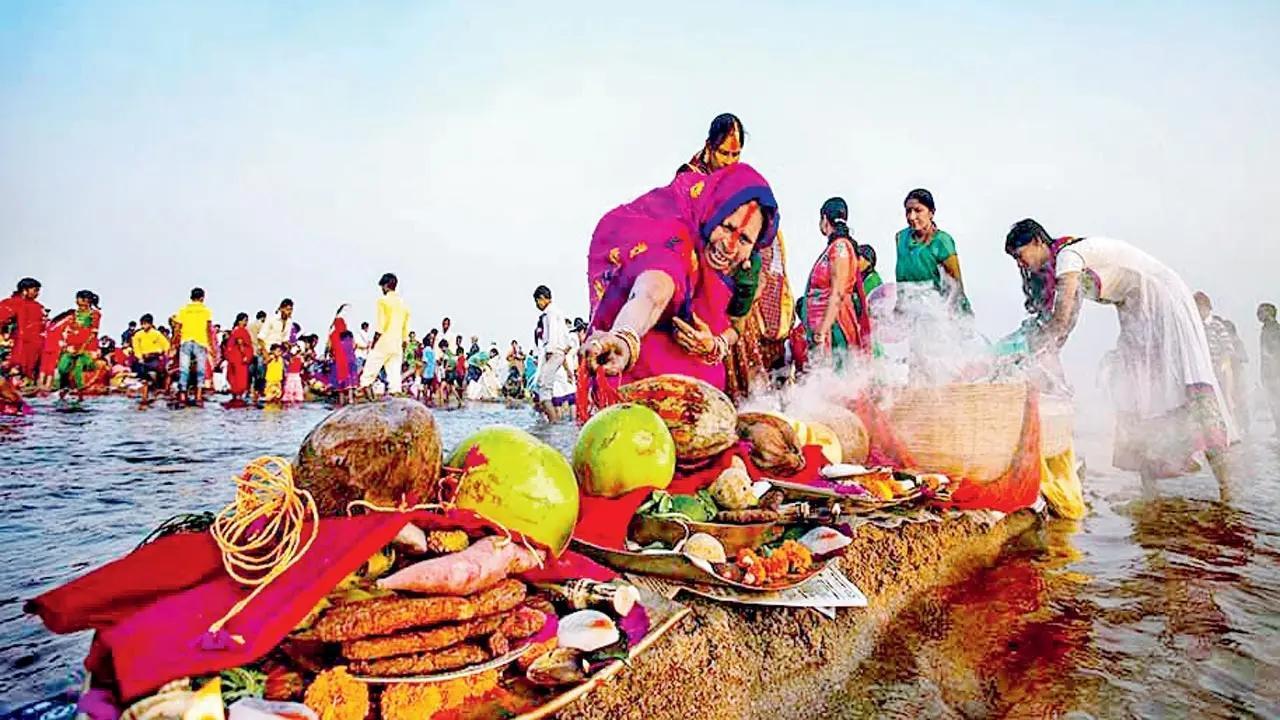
1150	607
1165	607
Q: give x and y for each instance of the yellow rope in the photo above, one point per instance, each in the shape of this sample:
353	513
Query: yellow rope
260	533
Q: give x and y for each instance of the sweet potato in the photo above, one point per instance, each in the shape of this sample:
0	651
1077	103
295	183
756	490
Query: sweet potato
480	566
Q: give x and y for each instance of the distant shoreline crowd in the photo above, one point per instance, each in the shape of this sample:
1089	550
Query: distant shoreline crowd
269	360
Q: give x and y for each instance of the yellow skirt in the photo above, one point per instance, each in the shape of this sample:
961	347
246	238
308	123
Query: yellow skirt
1060	485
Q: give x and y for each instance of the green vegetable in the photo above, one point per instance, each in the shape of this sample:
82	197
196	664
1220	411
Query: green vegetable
692	507
697	508
619	650
708	502
795	532
242	682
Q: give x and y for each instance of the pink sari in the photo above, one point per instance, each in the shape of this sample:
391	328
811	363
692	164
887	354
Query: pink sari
664	230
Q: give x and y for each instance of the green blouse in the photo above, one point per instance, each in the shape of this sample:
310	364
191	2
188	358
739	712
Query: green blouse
918	262
871	281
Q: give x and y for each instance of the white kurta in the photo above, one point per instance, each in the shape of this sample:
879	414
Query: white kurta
1162	347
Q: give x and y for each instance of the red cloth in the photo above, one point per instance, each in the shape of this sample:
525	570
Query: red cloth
885	448
239	354
28	341
81	338
603	521
1017	488
239	346
54	338
153	607
341	369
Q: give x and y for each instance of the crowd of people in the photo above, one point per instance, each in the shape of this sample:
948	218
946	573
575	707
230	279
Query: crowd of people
268	360
692	278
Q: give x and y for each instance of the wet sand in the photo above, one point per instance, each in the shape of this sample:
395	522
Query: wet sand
726	661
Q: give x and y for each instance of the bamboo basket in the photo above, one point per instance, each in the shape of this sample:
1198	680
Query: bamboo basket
967	431
1057	424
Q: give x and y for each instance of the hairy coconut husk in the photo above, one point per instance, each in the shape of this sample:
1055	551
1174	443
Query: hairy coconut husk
701	418
384	452
774	446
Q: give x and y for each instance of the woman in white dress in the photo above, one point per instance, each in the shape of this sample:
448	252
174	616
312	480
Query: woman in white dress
489	385
1168	403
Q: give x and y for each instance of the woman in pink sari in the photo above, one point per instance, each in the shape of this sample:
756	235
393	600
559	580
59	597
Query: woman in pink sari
670	272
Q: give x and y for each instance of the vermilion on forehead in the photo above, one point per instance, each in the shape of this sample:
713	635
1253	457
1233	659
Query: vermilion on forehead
732	143
752	209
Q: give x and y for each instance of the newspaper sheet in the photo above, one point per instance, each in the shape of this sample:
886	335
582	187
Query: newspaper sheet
825	591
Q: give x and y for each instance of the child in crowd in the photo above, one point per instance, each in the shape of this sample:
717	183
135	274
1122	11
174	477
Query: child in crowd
275	375
11	402
293	392
460	372
430	387
444	371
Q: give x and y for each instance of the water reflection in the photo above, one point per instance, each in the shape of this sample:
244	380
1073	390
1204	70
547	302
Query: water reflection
1149	607
81	488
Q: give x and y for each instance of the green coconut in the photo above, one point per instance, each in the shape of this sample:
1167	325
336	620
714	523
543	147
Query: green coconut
520	482
624	447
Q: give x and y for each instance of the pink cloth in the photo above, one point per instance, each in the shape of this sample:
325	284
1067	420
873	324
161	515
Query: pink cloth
293	392
152	608
664	230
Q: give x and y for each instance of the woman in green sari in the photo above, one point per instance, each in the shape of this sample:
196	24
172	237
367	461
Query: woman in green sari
927	255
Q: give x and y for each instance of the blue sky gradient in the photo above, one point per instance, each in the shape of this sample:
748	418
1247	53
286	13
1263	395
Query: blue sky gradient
269	149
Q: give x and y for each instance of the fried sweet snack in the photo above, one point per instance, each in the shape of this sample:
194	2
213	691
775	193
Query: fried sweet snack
421	641
422	663
519	624
383	616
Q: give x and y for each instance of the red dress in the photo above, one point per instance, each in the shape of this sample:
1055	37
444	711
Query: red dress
239	355
28	341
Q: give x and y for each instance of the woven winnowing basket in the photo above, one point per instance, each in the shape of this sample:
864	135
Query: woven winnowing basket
965	430
1057	422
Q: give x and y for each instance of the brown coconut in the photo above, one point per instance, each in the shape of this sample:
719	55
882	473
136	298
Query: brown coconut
774	446
384	452
701	418
855	443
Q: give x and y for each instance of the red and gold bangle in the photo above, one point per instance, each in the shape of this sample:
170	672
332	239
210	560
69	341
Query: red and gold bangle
719	351
632	339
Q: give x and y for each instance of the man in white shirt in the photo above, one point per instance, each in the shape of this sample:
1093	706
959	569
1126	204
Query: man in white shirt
362	342
275	331
552	347
387	349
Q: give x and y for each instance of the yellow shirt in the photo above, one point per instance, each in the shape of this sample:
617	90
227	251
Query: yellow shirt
275	370
149	342
393	320
194	319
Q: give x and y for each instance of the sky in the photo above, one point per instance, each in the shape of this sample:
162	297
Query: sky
264	150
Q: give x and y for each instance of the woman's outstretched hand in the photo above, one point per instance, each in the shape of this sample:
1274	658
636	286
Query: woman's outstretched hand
696	338
608	351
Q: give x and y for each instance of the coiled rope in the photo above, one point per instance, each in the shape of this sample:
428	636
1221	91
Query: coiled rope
261	533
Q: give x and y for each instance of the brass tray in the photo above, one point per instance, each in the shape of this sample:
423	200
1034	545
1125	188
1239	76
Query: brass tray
663	616
646	529
864	501
675	566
